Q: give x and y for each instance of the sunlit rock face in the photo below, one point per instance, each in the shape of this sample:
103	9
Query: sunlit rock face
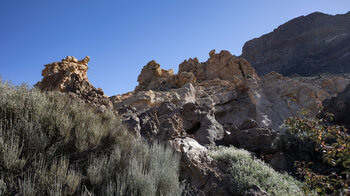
307	45
230	87
70	76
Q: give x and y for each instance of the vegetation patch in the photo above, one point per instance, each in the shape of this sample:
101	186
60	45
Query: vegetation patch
51	144
246	171
318	141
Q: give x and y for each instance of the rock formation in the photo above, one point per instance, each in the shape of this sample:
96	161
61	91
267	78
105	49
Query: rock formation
70	76
218	102
223	66
222	102
307	45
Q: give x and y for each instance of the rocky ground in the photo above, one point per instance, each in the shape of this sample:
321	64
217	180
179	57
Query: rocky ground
218	102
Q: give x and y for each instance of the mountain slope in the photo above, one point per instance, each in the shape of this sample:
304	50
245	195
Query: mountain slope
307	45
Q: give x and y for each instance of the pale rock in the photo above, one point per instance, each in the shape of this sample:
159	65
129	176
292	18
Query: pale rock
199	169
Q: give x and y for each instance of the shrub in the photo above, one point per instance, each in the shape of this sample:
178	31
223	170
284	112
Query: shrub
51	144
246	170
330	143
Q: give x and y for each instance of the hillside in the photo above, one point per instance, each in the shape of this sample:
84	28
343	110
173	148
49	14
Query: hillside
307	45
219	102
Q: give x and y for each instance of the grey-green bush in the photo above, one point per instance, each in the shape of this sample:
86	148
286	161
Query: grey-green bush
245	171
51	144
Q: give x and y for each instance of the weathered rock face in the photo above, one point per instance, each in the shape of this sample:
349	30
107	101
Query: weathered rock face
70	76
223	66
340	107
168	121
268	100
307	45
220	101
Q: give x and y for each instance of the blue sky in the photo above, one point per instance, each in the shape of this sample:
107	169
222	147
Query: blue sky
121	36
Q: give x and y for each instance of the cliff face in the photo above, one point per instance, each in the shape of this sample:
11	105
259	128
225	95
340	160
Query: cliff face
307	45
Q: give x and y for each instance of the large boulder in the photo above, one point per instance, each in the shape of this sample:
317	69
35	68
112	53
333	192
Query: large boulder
199	169
307	45
251	137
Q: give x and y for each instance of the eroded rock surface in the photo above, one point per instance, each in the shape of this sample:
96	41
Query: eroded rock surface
70	76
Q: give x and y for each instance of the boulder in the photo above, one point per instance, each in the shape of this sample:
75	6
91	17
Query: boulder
199	169
255	191
251	137
340	107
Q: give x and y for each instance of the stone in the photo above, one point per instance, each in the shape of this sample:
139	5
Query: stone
199	169
255	191
70	76
144	100
340	107
307	45
130	120
168	121
152	77
257	140
248	124
223	66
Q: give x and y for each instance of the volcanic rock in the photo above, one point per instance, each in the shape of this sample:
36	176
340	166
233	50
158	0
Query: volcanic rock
70	76
307	45
199	169
168	121
340	107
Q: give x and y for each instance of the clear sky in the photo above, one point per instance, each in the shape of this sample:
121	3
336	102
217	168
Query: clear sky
121	36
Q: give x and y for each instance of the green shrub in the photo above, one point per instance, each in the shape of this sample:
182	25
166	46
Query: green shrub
328	143
246	170
51	144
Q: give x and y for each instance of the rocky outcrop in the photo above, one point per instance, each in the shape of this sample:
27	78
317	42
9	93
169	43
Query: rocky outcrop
340	107
222	66
70	76
223	102
307	45
268	100
168	121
